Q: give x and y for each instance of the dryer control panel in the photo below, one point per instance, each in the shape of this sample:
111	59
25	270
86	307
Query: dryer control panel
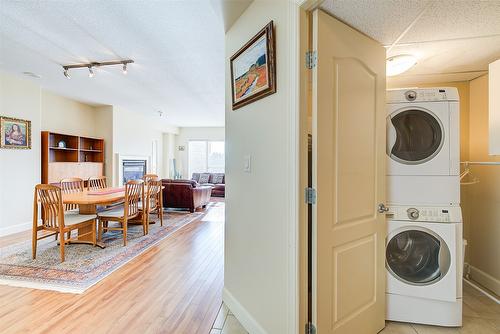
452	214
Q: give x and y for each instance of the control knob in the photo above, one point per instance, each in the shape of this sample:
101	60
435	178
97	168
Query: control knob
413	213
411	95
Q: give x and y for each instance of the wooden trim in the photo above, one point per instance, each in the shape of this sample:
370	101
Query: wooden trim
304	105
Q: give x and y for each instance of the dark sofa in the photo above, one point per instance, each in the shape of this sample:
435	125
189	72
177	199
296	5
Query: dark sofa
185	194
216	180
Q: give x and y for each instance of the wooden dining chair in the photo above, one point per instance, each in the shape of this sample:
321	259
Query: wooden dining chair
55	220
149	177
153	202
95	183
134	193
71	185
68	186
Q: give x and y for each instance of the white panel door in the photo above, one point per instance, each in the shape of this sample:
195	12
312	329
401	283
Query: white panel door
349	175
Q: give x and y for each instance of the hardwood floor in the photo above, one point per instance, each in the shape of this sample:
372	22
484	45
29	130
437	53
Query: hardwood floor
174	287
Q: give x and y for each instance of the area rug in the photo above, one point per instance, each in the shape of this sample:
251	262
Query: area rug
84	265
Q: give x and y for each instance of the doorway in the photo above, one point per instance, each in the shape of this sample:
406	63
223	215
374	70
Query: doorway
343	111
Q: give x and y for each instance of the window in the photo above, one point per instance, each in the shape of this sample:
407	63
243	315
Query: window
205	156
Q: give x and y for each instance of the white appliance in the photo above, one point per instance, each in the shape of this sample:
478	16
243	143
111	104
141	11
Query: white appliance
423	146
423	262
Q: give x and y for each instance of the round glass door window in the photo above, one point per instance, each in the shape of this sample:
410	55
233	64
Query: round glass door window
413	256
419	136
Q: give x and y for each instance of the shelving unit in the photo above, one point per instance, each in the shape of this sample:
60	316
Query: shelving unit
65	156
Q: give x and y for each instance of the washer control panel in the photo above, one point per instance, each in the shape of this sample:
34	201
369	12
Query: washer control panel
422	95
452	214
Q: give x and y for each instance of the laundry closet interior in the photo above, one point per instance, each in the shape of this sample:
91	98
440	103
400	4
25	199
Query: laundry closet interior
441	149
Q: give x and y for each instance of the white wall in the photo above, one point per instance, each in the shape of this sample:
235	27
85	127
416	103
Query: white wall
64	115
19	169
133	135
193	133
169	148
103	128
259	283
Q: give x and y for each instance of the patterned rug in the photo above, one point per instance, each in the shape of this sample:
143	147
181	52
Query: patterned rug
84	265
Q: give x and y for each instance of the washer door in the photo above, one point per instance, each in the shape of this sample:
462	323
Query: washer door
415	136
417	257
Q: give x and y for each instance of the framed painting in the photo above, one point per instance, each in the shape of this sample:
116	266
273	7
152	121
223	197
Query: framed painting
15	133
253	69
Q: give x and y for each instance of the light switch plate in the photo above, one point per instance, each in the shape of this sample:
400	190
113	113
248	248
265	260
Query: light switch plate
247	163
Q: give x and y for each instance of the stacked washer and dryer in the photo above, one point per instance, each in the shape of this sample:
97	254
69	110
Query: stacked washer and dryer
424	239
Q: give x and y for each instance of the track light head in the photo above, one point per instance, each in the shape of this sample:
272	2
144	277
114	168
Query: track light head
66	74
124	68
91	72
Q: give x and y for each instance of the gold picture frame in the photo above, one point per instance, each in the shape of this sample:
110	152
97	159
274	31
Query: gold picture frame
15	133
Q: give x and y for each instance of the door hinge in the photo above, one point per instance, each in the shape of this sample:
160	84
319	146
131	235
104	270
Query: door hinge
311	59
310	328
310	195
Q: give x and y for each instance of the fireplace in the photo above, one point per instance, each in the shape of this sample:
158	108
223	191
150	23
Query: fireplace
133	169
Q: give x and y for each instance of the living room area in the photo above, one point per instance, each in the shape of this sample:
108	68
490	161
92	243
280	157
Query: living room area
112	165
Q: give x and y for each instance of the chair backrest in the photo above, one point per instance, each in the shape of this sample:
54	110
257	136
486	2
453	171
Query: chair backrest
95	183
149	177
71	185
134	193
50	198
152	196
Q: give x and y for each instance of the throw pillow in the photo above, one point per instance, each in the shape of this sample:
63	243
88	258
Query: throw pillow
218	178
204	177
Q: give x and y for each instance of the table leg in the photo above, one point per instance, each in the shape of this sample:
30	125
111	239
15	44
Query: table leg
87	209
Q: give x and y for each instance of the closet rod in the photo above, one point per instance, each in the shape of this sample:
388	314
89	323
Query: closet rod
485	163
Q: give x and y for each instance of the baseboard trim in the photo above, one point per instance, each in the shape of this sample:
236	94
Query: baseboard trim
485	279
4	231
241	313
481	289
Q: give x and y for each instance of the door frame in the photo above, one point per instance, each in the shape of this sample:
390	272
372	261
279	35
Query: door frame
305	110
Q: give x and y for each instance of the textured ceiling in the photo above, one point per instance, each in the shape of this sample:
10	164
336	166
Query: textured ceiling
177	46
453	40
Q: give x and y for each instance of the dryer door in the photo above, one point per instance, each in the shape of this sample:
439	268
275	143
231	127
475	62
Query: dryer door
415	136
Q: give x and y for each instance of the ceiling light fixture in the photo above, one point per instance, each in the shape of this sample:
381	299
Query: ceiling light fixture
66	74
93	65
399	64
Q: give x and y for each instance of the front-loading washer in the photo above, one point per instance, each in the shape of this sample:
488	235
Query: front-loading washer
423	263
423	146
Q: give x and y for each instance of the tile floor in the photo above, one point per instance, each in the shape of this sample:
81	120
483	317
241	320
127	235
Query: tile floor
226	323
481	316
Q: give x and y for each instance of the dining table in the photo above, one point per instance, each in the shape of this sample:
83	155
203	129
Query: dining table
88	202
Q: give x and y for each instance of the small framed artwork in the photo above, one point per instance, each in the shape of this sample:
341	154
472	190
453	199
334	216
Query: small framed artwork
253	69
15	133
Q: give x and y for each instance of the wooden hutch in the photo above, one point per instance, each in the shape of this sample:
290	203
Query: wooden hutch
77	156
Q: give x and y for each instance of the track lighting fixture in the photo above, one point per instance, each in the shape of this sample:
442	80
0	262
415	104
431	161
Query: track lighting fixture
93	65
